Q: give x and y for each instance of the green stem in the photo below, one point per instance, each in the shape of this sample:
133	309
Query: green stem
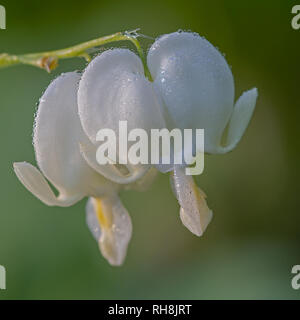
142	56
49	60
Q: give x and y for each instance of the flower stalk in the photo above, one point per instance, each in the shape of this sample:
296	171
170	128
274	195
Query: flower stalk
48	60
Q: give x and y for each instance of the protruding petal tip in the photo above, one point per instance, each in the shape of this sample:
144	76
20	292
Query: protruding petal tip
36	183
240	118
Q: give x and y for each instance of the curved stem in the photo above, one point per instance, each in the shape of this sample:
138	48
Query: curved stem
49	60
142	56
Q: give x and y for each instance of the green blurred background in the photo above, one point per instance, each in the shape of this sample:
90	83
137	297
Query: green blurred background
254	239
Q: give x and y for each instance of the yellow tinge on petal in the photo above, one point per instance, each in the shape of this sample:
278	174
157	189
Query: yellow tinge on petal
106	241
104	219
194	212
205	214
111	226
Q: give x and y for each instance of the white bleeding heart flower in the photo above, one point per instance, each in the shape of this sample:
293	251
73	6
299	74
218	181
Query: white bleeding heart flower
56	139
196	86
192	88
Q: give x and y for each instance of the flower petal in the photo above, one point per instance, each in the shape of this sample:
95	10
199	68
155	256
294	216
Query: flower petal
195	82
57	134
240	118
111	226
35	182
113	88
194	212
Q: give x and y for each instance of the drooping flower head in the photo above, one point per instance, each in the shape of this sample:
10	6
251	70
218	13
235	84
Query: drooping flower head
192	88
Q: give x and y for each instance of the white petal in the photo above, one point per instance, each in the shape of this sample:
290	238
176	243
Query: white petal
35	182
194	212
113	88
57	135
111	226
240	118
195	82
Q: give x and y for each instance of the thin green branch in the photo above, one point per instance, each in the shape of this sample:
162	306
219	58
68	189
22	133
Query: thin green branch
49	60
